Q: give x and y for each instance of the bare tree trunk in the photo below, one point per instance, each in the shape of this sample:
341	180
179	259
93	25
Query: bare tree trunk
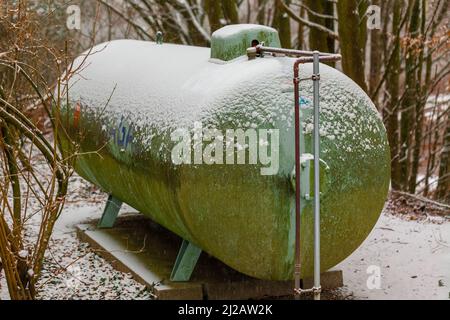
410	96
433	138
230	11
329	23
301	31
431	158
318	40
261	17
392	124
282	22
421	96
214	10
376	55
350	40
361	10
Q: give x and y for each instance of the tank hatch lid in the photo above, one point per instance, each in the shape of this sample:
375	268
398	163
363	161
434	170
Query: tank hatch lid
232	41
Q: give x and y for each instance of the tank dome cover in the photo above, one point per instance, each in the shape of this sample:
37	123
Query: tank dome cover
232	41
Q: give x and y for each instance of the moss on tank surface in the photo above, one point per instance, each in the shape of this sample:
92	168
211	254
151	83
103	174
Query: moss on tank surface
234	213
232	41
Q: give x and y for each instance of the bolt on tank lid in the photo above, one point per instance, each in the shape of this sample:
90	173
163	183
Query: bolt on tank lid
232	41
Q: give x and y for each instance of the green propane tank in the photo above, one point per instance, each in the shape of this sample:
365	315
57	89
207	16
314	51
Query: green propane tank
202	141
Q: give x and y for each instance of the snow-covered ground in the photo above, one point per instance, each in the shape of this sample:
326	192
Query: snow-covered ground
74	271
410	253
412	257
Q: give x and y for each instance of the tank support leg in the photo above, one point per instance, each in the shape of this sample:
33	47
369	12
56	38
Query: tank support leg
186	261
110	212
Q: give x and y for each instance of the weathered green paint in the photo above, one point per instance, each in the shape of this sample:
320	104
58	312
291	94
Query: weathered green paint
231	42
110	212
186	261
232	212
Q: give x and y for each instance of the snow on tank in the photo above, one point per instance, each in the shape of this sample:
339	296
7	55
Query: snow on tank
134	94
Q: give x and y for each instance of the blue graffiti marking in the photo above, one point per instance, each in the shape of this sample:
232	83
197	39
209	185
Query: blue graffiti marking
303	101
122	135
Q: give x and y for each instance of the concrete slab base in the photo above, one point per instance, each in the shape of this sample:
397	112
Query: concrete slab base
148	251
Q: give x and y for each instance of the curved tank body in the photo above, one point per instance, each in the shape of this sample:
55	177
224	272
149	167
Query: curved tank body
130	96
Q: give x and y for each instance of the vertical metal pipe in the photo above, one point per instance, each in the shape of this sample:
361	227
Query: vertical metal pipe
316	78
305	57
297	181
